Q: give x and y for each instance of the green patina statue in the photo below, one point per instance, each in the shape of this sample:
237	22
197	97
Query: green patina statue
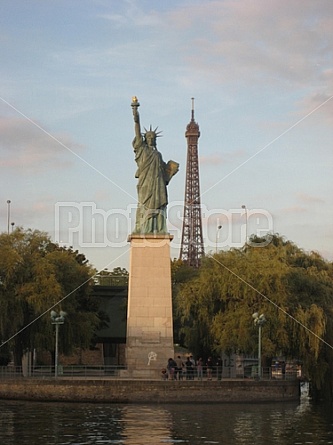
153	177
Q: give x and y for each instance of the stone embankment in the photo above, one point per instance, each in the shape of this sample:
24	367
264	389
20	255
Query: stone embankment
149	391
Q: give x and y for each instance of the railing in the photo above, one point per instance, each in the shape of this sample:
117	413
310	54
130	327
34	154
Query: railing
71	371
119	372
273	373
107	280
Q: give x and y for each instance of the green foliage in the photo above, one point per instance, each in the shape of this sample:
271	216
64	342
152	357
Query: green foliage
292	288
180	274
35	276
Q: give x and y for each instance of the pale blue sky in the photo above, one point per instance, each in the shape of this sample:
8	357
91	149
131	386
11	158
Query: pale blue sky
262	77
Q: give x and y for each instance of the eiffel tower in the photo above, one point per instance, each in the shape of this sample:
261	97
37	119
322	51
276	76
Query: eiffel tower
192	248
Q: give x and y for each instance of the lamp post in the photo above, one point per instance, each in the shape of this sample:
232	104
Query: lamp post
8	214
217	234
57	320
259	320
245	209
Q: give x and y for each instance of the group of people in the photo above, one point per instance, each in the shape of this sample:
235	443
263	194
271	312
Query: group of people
188	369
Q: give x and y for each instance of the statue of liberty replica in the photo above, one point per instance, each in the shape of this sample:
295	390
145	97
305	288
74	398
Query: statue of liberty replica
149	337
153	177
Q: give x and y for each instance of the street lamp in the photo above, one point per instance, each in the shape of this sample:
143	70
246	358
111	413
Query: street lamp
57	320
244	208
259	320
8	214
217	234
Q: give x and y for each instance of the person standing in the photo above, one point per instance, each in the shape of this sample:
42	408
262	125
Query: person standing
179	368
200	368
189	369
171	368
210	366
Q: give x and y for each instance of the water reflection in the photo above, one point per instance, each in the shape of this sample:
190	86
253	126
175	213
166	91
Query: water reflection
32	423
143	424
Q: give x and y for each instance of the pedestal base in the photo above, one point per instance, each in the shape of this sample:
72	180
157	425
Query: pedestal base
149	342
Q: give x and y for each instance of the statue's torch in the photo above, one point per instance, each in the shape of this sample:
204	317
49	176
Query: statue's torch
135	103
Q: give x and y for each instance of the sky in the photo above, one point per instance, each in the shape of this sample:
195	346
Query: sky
261	76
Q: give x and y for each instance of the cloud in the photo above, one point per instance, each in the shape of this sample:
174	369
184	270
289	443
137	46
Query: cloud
296	210
213	159
275	41
308	199
321	102
132	13
306	204
216	43
225	158
25	147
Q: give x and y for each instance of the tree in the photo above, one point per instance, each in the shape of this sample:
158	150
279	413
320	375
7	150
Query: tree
292	288
180	274
37	275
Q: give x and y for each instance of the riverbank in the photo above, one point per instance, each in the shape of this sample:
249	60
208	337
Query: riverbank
150	391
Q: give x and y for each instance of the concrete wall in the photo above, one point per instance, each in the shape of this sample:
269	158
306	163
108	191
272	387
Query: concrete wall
138	391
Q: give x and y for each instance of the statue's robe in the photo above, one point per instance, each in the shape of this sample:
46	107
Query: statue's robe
153	177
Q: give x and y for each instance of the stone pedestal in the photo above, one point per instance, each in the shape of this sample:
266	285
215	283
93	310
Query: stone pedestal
149	341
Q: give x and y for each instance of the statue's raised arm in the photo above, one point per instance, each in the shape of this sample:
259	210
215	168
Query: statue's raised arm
135	105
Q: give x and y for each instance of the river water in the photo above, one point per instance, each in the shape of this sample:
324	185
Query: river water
34	423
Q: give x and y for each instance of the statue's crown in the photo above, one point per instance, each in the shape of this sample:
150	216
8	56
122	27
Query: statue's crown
156	133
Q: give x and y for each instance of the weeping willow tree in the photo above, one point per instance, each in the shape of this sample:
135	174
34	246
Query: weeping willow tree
292	288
